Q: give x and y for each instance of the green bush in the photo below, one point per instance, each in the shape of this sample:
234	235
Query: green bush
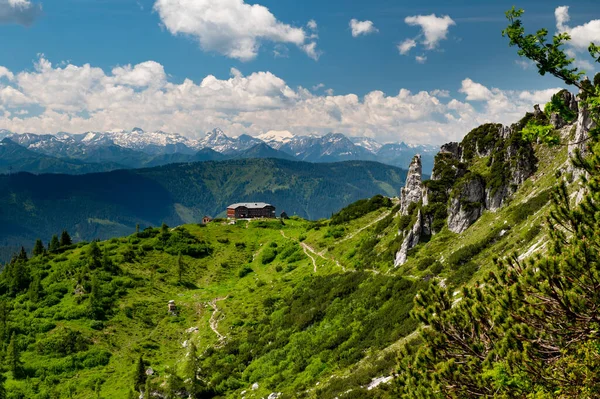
424	263
268	255
246	270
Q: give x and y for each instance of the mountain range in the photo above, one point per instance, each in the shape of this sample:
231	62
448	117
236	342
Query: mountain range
126	149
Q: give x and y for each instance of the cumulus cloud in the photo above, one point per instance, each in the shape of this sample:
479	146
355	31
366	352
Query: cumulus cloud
434	29
505	104
475	91
406	46
21	12
421	59
232	27
5	73
362	27
440	93
51	98
581	37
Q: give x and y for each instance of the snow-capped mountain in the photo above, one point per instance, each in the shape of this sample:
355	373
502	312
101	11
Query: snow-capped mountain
276	138
220	142
137	148
158	142
367	143
330	148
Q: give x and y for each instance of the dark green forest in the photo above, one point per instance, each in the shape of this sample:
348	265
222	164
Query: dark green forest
110	204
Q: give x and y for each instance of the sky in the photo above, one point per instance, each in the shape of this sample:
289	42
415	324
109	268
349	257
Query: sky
422	72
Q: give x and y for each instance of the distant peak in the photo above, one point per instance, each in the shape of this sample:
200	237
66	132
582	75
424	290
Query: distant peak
137	130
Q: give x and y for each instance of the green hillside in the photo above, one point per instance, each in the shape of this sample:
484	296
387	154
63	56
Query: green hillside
308	309
105	205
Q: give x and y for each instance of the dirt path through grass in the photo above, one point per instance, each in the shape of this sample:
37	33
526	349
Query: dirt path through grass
214	322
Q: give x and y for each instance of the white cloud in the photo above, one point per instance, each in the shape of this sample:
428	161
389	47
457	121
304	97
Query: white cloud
4	72
421	59
406	46
524	63
144	74
562	17
318	86
22	12
362	27
581	37
311	50
231	27
434	29
82	98
475	91
440	93
312	24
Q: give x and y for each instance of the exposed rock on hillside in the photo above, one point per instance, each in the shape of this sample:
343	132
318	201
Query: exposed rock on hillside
412	192
467	203
480	173
411	240
570	101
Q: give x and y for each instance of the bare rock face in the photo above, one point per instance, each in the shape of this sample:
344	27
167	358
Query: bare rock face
584	124
453	148
410	241
467	206
570	101
412	192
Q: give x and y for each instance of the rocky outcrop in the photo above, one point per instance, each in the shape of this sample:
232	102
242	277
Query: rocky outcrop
412	192
468	203
570	101
583	126
411	240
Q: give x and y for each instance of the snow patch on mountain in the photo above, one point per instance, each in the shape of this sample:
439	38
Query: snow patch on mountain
367	143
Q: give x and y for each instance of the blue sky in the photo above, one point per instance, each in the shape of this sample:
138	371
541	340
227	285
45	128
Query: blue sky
322	78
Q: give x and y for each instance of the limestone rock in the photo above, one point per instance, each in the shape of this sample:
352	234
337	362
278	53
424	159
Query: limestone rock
453	148
412	192
571	102
411	240
466	207
584	124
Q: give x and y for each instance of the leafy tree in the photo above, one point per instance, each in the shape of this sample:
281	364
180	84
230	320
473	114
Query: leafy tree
13	358
94	255
164	233
192	373
96	304
54	244
35	289
38	248
18	274
139	378
22	255
107	263
3	394
4	312
65	239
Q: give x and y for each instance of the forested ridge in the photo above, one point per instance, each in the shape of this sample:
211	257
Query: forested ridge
104	205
